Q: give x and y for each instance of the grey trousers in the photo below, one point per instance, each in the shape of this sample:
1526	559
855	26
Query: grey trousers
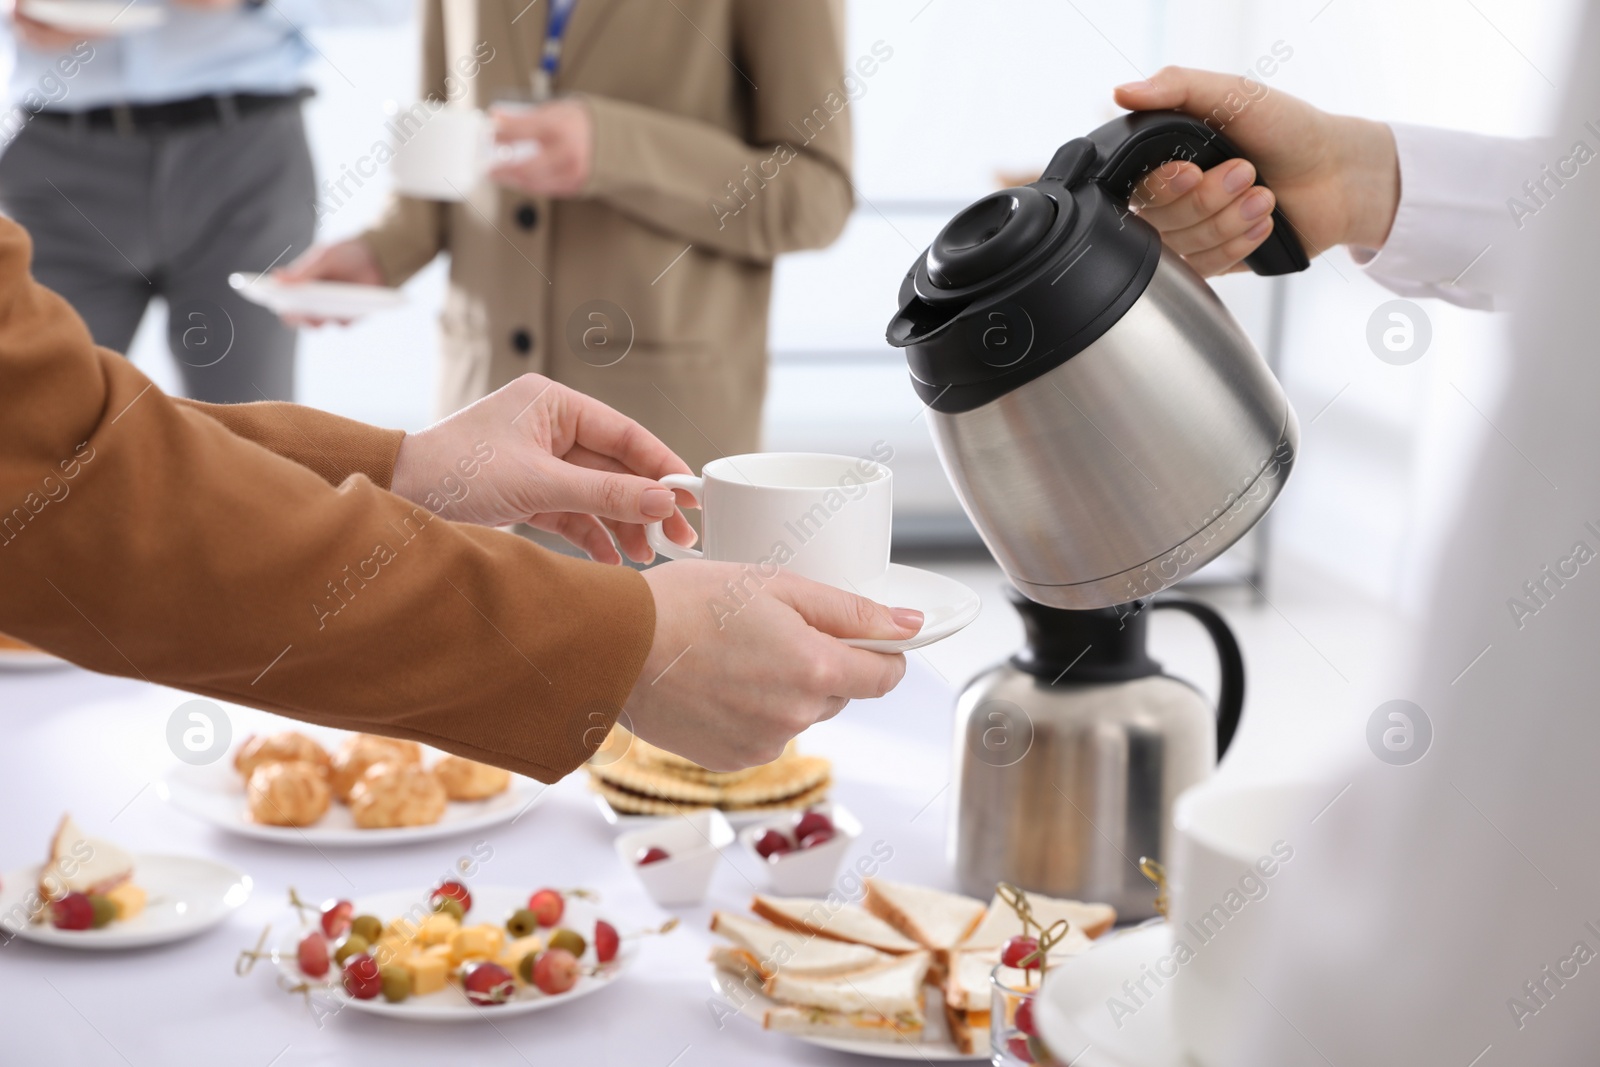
119	218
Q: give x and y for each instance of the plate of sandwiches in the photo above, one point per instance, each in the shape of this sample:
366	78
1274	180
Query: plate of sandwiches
20	656
90	893
904	975
369	790
634	781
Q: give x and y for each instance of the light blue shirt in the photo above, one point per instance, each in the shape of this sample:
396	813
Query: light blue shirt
193	53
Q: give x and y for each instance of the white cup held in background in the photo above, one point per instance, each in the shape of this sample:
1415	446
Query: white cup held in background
440	155
827	518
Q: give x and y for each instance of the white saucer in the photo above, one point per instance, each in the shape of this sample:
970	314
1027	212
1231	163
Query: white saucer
1075	1021
945	603
316	300
187	896
95	16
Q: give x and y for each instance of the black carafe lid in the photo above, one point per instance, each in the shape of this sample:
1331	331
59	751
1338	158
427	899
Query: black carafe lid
1076	647
1026	278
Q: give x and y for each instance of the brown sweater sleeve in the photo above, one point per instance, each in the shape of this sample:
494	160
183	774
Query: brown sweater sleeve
141	537
333	446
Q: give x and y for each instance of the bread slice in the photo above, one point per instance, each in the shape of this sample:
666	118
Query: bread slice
78	863
892	990
932	917
813	1022
767	950
1000	923
845	923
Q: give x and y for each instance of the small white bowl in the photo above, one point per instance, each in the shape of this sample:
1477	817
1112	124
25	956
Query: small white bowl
805	871
694	844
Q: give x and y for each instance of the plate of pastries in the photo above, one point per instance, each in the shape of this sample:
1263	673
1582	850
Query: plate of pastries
347	789
634	781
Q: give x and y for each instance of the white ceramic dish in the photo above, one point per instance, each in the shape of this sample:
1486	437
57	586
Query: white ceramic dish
188	895
99	17
215	794
29	659
947	606
622	821
934	1046
805	872
342	301
694	844
490	904
1075	1022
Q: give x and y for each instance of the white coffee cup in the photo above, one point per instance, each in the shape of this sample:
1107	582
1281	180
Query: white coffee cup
440	155
1233	847
823	517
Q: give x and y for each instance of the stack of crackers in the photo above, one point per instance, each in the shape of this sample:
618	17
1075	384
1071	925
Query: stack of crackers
637	778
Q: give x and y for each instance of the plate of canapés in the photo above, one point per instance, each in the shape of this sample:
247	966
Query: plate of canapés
360	789
451	953
91	893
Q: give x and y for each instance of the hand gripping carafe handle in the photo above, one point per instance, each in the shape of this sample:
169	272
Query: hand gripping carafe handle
1230	698
1119	154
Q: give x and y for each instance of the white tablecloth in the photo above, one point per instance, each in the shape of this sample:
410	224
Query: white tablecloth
96	746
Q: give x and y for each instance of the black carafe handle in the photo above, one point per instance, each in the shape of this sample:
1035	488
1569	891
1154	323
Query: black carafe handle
1129	147
1230	698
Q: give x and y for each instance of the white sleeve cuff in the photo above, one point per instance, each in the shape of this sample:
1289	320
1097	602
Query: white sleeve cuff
1458	223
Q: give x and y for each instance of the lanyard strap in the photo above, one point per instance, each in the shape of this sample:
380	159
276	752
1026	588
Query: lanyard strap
550	58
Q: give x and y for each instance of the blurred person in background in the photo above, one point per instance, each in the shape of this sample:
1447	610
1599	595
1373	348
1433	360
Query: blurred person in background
680	149
157	161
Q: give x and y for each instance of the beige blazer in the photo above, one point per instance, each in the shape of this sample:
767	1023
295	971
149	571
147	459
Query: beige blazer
722	139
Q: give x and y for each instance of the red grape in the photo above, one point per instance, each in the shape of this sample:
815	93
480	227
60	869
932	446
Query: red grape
1018	949
653	854
488	984
547	906
1018	1047
313	952
72	912
810	823
606	941
1025	1016
555	971
362	978
454	891
773	843
815	838
336	918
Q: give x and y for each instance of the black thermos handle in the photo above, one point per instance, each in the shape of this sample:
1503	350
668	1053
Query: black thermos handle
1230	699
1129	147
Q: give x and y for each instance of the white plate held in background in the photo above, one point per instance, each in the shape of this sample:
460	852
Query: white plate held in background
316	300
187	896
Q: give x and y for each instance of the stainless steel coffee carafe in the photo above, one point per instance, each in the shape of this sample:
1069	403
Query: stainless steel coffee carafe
1105	421
1069	756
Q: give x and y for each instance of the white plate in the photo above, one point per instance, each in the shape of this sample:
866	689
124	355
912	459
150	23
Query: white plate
187	896
935	1043
215	794
490	904
29	659
95	16
1073	1016
316	300
621	820
946	605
